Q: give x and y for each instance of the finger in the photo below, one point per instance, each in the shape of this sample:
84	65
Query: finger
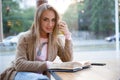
63	22
62	28
61	25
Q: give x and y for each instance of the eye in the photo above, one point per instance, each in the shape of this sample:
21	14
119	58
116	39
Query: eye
45	19
53	20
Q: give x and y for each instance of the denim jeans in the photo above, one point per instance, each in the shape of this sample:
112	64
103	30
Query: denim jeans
30	76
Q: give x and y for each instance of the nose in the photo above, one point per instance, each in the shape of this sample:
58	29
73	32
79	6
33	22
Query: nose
50	23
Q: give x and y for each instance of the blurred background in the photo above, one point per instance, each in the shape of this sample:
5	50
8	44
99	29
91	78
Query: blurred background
91	22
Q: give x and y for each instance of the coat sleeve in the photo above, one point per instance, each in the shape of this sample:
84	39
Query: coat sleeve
65	50
23	63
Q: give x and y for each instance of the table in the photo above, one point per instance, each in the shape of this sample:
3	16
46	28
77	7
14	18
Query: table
92	73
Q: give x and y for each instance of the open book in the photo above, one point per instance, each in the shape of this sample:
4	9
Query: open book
69	66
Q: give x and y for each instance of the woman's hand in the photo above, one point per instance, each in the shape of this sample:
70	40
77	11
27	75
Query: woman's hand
63	29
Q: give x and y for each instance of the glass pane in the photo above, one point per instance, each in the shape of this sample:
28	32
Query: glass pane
91	22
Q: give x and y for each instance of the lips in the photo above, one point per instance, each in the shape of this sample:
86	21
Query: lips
49	29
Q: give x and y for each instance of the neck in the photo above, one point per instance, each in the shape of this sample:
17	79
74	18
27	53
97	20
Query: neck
44	35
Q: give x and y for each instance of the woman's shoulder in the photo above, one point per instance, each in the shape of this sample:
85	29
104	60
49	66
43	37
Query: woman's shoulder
25	35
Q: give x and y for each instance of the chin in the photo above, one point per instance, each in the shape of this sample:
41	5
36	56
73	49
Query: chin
49	32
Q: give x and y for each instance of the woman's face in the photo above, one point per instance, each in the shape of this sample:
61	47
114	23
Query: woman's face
47	22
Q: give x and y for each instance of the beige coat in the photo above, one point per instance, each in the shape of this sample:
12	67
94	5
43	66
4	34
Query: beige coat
25	57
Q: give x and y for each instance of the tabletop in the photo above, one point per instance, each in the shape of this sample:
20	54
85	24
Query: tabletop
92	73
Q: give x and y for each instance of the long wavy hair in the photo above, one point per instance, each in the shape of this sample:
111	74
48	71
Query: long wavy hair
36	28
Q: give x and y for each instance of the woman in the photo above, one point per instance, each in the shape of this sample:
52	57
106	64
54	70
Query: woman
39	46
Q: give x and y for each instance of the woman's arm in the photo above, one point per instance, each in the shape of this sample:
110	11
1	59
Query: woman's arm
25	59
65	51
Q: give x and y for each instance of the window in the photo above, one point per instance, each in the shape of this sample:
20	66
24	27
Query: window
91	22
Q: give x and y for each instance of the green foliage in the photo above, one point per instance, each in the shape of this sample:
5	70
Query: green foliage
92	15
7	11
15	19
71	16
101	16
28	16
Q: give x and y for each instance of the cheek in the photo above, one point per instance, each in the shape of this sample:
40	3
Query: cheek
53	25
43	24
43	27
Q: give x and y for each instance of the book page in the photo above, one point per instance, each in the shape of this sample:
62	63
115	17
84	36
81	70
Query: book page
85	63
69	65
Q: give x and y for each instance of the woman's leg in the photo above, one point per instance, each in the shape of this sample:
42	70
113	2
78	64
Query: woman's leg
30	76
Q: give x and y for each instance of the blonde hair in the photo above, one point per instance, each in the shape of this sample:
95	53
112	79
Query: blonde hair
36	25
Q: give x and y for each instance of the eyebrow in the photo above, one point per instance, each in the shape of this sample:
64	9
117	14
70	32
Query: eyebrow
48	18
